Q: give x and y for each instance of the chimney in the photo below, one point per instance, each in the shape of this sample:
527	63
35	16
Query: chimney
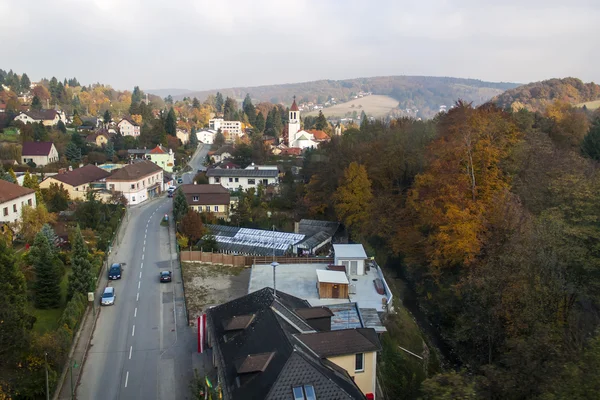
296	227
70	168
62	170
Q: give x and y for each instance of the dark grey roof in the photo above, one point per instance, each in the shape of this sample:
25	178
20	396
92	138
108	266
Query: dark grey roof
253	241
243	173
341	342
314	240
310	227
262	360
314	312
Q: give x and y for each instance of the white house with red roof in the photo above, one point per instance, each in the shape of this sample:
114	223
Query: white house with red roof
164	158
129	127
40	153
298	138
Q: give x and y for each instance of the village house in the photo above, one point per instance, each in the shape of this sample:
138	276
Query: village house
138	182
12	200
128	127
230	129
183	136
164	158
99	138
206	136
298	138
46	117
244	179
78	182
207	198
40	153
221	154
272	345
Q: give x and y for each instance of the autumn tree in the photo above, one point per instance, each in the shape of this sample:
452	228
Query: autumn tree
47	276
31	182
191	226
56	198
32	220
353	198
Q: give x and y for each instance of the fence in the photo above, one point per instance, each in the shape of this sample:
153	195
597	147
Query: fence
246	261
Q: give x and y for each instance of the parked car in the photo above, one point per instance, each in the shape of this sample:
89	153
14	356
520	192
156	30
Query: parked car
108	297
115	271
180	180
165	276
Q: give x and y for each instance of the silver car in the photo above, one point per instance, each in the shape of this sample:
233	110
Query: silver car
108	297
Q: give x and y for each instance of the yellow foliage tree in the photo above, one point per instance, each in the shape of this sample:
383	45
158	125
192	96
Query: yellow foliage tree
32	220
137	118
352	199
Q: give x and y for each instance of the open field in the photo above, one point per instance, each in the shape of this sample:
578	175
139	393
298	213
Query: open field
591	105
374	106
210	285
9	135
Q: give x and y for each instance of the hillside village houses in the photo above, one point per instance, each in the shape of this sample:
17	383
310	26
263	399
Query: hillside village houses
221	154
79	181
138	181
129	127
12	200
99	138
40	153
46	117
244	179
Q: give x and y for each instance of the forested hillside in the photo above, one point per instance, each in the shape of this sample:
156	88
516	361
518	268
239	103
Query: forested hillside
424	93
537	96
494	216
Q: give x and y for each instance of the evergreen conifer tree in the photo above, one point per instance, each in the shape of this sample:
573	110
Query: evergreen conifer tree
46	288
81	279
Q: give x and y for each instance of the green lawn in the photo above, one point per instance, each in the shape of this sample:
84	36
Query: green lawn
9	135
47	320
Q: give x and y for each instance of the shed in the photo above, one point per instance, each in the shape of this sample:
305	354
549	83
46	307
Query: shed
352	256
332	284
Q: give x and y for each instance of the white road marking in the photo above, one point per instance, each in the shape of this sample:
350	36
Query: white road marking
126	378
130	350
143	251
140	274
137	298
142	265
142	257
139	283
145	236
135	313
144	243
133	331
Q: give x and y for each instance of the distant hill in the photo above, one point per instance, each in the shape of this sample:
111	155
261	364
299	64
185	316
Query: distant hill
423	93
165	92
538	95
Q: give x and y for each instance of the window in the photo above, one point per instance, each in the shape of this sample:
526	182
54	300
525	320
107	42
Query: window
237	179
30	202
251	181
194	198
5	211
359	362
216	208
14	208
306	392
133	186
230	179
217	180
207	208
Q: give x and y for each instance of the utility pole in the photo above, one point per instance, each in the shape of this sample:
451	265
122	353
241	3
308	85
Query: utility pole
47	386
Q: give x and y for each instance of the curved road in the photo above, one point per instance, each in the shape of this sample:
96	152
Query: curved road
141	347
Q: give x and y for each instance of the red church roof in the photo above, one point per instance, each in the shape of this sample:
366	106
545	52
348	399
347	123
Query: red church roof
294	106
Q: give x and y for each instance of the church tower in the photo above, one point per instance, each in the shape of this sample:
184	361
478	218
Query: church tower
294	123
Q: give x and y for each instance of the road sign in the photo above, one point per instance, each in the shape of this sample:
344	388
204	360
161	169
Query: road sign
90	296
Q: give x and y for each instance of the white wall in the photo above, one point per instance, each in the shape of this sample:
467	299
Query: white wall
139	192
206	137
233	183
17	204
348	262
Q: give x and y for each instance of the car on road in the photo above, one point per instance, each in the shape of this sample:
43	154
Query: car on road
180	180
165	276
108	297
115	271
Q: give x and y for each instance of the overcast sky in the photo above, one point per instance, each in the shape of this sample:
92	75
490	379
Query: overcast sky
206	44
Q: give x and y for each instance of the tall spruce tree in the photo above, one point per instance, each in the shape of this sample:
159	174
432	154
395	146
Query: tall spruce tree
249	110
590	146
321	121
81	279
259	123
219	102
50	235
13	300
193	138
180	205
46	288
171	123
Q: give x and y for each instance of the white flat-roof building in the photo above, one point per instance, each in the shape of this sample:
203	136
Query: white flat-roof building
231	129
206	136
352	256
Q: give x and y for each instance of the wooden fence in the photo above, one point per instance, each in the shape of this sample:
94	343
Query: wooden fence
246	261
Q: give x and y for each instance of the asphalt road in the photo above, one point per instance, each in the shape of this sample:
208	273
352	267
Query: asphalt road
196	162
142	347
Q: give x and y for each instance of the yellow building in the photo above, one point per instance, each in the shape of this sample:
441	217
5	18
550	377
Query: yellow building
208	198
79	181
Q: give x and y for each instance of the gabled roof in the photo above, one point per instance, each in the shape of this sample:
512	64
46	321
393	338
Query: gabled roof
263	360
134	172
341	342
10	191
86	174
224	149
36	148
206	195
42	115
158	150
319	135
128	119
314	312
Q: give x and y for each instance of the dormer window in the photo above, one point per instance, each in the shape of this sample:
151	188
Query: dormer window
194	198
306	392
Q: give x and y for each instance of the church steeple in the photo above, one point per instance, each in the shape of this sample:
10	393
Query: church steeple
294	122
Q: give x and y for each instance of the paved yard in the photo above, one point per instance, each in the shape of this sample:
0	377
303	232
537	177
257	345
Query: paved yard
209	285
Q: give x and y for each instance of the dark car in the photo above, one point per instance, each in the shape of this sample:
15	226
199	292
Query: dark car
115	271
165	276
